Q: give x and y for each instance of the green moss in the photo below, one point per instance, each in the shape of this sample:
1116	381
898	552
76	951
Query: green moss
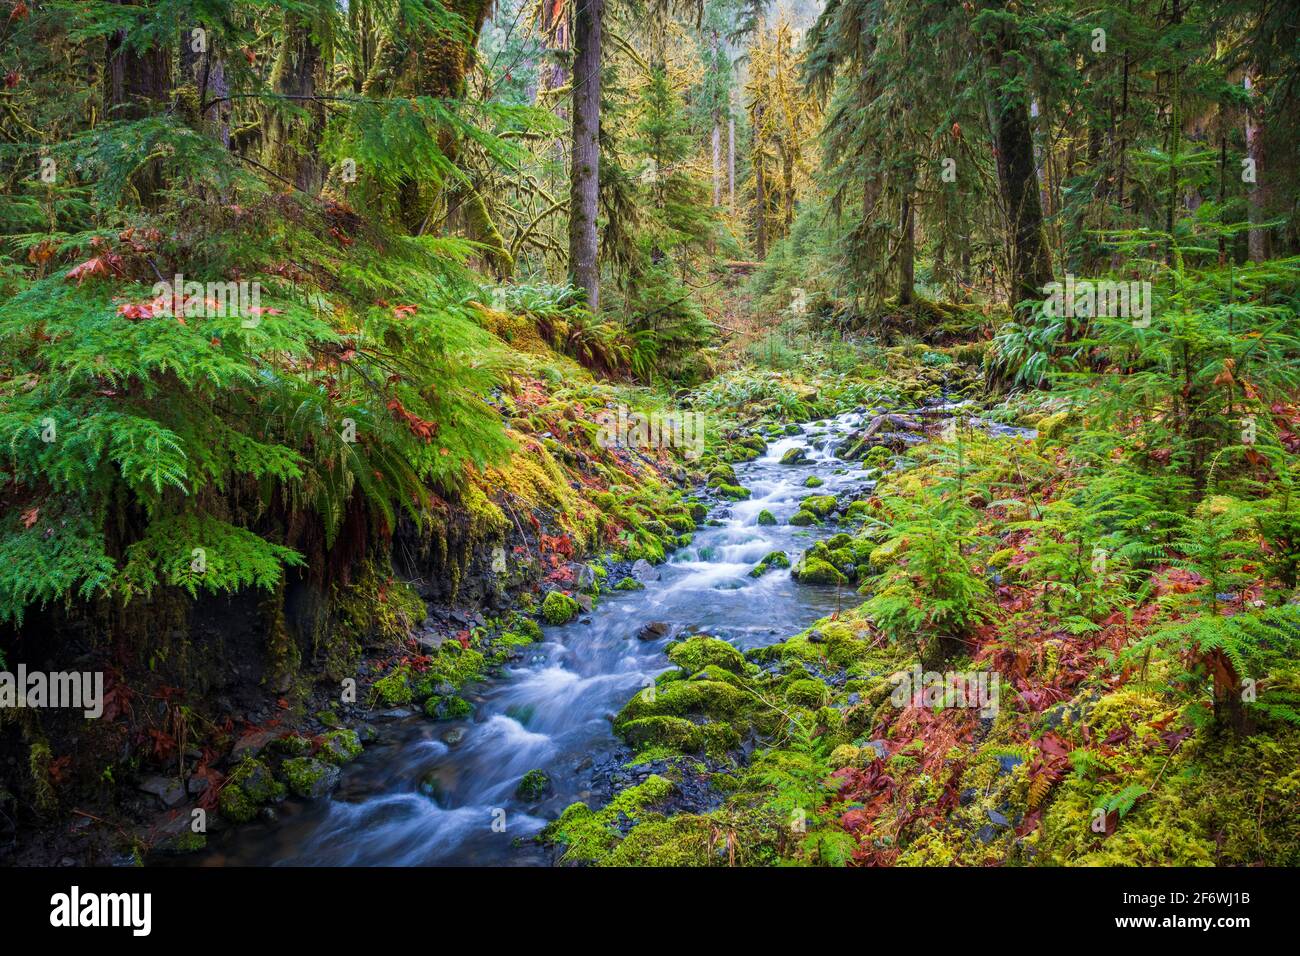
806	693
393	690
803	518
774	559
533	786
695	653
308	777
681	840
235	805
766	517
812	481
448	708
714	698
255	779
340	747
559	608
589	835
817	571
795	456
629	584
820	505
734	492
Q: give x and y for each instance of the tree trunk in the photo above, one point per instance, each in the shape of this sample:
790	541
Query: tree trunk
717	161
1256	238
1031	260
584	247
136	82
907	252
290	145
731	162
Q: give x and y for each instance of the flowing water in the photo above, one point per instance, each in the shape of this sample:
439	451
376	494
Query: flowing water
414	799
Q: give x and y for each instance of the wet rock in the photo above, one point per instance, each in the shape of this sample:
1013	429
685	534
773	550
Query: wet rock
311	778
644	571
997	819
795	456
454	737
168	790
533	787
654	631
1007	763
584	602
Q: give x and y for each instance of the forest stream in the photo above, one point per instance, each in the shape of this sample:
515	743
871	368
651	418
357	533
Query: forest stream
430	793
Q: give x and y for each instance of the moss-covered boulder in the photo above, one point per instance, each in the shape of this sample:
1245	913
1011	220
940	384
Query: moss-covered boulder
255	779
812	481
722	474
450	707
696	653
533	786
811	570
766	517
310	778
807	693
820	505
797	455
559	608
629	584
340	747
803	519
733	492
774	559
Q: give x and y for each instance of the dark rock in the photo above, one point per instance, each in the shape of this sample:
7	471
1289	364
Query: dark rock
653	631
168	790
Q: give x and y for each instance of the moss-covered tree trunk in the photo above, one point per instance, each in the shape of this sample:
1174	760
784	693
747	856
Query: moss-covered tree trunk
291	139
1031	259
584	180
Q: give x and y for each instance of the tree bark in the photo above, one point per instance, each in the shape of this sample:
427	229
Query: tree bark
907	252
584	196
136	82
291	140
1031	260
1256	238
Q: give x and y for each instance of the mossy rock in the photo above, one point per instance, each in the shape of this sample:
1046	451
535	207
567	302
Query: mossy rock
255	779
533	786
733	492
812	481
590	835
774	559
878	457
393	690
558	608
722	475
795	456
679	840
629	584
803	519
673	733
340	747
679	698
766	518
696	653
820	505
235	805
451	707
817	571
310	778
292	745
807	693
857	510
